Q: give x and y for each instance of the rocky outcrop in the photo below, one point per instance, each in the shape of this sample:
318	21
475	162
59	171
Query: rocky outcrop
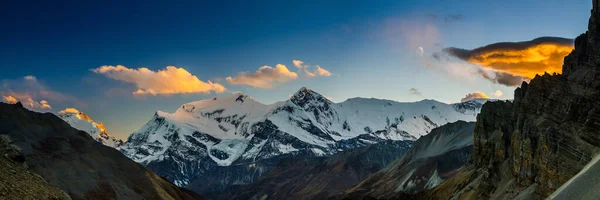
74	162
318	178
16	182
431	160
529	147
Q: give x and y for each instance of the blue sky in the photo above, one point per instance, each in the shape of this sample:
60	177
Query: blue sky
370	47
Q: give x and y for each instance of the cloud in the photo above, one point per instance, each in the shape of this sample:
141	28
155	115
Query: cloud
264	77
33	94
299	64
305	70
502	78
171	80
474	95
9	99
322	72
69	111
498	94
453	17
26	100
414	91
518	59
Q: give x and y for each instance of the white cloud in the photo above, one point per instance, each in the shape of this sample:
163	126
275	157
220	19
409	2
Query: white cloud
171	80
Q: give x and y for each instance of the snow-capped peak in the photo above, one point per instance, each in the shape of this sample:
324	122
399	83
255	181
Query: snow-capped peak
305	95
81	121
237	129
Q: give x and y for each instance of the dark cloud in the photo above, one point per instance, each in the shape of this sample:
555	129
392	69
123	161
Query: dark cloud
414	91
453	18
501	77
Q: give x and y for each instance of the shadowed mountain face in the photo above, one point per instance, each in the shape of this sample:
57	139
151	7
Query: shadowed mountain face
528	148
74	162
318	178
16	182
432	159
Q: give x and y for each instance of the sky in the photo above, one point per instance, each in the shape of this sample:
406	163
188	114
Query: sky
121	61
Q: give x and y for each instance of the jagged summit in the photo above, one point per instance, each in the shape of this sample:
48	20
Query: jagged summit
305	95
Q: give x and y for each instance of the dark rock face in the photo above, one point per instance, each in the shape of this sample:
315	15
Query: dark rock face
302	177
72	161
431	160
530	147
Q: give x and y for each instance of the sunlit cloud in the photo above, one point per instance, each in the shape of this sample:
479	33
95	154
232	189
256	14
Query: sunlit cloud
264	77
474	95
524	59
32	94
168	81
26	100
299	64
9	99
307	70
69	111
322	72
498	94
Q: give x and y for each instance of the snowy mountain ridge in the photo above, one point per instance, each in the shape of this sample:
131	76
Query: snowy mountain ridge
237	129
81	121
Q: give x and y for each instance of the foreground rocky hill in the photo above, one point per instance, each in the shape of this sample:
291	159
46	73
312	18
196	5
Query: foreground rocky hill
318	178
16	182
528	148
432	159
73	161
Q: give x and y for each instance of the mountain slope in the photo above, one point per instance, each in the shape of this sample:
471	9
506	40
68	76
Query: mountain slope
431	160
74	162
17	182
318	178
235	132
529	147
83	122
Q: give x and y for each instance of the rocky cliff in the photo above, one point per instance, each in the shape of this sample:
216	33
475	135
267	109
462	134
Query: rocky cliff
529	147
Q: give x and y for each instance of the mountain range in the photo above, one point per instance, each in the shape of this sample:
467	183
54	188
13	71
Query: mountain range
232	140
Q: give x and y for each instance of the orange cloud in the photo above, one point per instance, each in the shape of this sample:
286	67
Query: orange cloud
524	59
322	72
264	77
69	111
9	99
474	95
171	80
304	69
299	64
26	100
